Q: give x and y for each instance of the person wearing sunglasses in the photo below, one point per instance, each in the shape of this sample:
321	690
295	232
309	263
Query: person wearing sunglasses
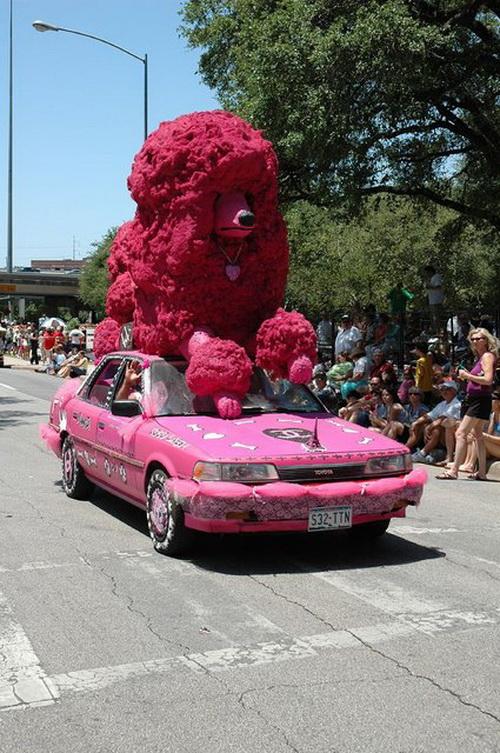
476	407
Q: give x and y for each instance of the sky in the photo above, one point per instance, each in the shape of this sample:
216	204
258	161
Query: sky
78	110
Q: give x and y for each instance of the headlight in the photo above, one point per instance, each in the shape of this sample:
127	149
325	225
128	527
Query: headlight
391	464
243	472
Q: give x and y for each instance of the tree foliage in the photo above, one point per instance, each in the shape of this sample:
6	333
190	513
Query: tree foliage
339	265
94	277
364	97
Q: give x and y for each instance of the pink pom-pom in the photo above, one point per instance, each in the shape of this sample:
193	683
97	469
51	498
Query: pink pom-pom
106	337
228	406
219	366
283	340
300	370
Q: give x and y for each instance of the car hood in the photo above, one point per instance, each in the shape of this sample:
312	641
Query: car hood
274	436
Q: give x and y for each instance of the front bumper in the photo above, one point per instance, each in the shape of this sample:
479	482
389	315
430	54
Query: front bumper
281	506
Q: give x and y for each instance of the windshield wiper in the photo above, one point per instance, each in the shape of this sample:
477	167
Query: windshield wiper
257	409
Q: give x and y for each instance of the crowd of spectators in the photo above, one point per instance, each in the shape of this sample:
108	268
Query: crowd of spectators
52	349
424	402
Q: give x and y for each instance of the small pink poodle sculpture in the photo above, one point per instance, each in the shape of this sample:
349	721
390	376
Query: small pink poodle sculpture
201	269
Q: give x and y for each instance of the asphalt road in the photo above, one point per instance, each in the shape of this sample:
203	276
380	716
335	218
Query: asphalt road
274	644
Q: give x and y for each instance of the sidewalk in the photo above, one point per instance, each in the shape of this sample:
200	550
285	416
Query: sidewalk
12	362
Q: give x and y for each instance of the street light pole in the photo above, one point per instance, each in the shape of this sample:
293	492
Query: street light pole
42	26
9	158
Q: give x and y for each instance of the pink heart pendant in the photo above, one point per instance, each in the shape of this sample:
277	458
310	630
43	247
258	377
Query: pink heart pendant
232	271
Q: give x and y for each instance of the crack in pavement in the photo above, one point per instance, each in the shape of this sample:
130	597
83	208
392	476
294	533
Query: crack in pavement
295	603
419	676
471	568
270	724
387	657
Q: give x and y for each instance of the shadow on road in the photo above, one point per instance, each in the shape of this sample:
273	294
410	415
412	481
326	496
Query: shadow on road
267	554
296	553
14	417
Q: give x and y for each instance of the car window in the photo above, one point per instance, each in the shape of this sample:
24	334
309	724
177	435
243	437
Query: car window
135	393
102	386
171	395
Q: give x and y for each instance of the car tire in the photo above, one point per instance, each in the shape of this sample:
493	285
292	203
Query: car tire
165	518
74	481
370	531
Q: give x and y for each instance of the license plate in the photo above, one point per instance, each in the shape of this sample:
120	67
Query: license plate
328	518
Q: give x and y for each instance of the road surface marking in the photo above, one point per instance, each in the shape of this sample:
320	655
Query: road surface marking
7	387
379	593
271	652
402	530
22	681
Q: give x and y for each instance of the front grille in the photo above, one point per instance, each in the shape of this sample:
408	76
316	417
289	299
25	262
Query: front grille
321	473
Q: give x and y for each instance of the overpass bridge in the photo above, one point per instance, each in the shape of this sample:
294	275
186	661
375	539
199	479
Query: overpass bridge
38	285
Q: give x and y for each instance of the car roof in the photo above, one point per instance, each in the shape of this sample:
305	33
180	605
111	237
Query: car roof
146	356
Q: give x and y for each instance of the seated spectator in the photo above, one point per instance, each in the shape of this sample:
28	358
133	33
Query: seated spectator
341	370
355	410
54	361
381	366
413	410
360	373
492	435
75	365
374	394
386	417
323	391
58	358
440	425
360	405
407	382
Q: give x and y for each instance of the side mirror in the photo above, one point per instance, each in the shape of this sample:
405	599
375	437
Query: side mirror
127	408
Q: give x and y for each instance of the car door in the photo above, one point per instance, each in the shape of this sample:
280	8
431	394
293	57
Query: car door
95	399
114	438
83	412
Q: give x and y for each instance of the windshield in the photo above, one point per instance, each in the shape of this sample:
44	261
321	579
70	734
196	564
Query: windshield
171	396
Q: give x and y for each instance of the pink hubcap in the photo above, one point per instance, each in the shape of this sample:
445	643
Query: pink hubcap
159	512
68	465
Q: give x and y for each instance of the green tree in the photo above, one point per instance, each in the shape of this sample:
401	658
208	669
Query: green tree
364	97
94	277
339	265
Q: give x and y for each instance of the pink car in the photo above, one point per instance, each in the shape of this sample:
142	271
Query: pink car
285	465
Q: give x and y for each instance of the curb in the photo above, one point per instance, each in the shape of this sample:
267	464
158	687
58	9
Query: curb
494	470
14	363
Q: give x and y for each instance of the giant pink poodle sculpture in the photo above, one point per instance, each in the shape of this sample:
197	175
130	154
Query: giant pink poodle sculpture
201	269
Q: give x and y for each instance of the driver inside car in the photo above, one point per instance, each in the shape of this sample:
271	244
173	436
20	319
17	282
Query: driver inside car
130	388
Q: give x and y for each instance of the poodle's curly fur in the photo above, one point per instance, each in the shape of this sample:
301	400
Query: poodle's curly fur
167	266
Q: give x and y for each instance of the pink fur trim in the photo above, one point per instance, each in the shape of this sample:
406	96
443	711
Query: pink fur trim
285	342
51	438
106	337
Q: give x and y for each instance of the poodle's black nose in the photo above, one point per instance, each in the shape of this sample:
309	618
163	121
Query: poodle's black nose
246	218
